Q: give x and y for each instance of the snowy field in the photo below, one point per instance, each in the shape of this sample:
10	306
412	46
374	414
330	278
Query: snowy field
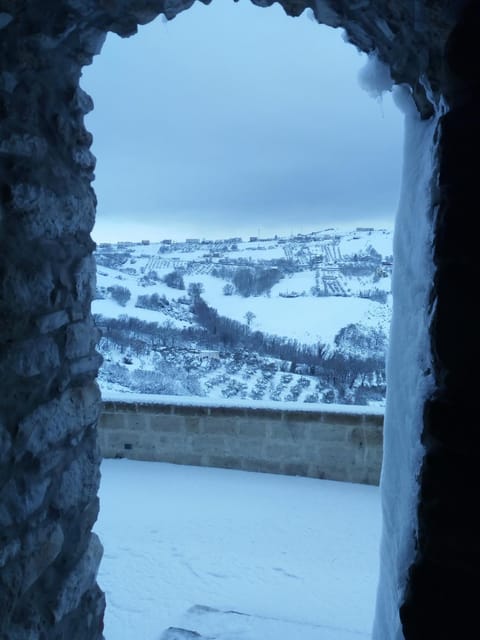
235	555
309	320
306	318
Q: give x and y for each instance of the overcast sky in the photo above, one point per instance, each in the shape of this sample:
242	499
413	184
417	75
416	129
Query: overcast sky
236	120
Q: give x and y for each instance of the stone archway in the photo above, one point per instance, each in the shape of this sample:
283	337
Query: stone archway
49	402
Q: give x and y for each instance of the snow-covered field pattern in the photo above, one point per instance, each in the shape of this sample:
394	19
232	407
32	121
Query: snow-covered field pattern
302	318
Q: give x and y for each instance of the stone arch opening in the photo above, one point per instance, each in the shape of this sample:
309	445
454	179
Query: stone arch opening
136	110
49	404
216	113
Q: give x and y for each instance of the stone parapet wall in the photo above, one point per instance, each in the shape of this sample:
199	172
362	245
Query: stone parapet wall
314	443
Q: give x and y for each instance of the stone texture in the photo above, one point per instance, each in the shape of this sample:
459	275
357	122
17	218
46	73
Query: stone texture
311	443
79	581
49	402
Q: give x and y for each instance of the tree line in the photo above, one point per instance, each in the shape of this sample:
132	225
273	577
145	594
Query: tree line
213	331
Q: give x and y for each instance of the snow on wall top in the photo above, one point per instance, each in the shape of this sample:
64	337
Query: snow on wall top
195	401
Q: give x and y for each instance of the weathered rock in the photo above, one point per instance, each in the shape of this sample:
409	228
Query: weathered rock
21	500
79	482
80	580
55	423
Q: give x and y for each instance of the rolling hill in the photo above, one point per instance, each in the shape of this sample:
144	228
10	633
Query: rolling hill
302	318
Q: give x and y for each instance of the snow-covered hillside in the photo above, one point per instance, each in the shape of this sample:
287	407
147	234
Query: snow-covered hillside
301	318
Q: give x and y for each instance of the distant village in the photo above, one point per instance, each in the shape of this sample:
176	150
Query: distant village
299	237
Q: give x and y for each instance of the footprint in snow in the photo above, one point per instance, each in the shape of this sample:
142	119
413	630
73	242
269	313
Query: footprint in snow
286	574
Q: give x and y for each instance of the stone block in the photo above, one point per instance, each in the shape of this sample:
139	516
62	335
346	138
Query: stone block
193	459
288	431
366	436
8	551
250	428
295	469
260	414
148	453
59	419
109	421
220	425
340	454
81	339
168	423
135	421
375	457
85	280
283	452
5	444
36	356
191	410
101	437
311	454
372	476
172	443
373	420
150	408
86	366
331	458
110	451
28	291
314	451
49	544
347	419
193	424
327	433
261	465
224	462
245	447
79	482
297	415
26	145
80	579
227	412
126	440
317	471
52	321
211	445
21	500
119	406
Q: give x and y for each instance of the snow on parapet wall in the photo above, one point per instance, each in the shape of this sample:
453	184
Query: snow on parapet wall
408	371
195	401
328	445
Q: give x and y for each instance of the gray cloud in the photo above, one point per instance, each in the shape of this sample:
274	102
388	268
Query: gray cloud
232	110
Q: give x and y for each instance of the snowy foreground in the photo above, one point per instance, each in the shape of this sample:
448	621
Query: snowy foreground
194	548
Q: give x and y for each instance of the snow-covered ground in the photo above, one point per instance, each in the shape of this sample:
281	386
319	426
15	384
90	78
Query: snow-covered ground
306	318
328	291
194	548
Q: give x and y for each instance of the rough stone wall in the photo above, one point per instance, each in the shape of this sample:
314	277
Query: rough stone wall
49	401
316	444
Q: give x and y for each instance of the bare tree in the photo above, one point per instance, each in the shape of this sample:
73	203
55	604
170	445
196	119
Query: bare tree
249	316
